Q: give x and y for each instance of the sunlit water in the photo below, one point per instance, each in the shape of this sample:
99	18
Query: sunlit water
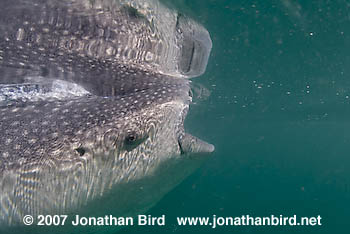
278	115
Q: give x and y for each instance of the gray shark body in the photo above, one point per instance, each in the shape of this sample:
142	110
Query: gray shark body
80	40
92	104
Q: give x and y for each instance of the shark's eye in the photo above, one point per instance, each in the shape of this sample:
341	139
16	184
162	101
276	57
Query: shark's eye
132	140
81	151
133	12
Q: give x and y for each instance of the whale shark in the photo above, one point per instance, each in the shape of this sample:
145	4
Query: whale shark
93	99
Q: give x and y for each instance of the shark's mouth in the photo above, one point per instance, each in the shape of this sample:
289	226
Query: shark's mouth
189	144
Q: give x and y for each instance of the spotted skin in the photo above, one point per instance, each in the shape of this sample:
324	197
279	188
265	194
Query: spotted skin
92	106
81	140
72	38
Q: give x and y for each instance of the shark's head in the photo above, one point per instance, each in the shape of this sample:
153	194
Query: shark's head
121	149
138	131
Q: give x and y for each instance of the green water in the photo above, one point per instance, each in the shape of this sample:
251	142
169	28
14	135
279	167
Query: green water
278	113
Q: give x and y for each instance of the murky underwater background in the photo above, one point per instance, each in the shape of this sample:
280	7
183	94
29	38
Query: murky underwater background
278	113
